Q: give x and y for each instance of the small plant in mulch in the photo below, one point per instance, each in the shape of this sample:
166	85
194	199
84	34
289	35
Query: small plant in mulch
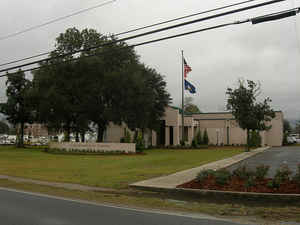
243	173
203	175
222	177
250	182
296	178
282	175
261	172
245	180
271	184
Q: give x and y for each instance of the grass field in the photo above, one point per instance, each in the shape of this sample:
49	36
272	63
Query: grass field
104	171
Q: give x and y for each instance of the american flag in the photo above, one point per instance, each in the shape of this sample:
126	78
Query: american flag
187	68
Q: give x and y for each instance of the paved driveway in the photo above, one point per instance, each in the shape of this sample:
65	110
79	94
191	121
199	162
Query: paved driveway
274	157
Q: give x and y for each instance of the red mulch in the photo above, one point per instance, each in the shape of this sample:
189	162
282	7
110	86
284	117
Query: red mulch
236	184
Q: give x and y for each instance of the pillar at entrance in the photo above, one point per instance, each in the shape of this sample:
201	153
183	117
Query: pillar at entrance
167	136
190	134
176	138
154	138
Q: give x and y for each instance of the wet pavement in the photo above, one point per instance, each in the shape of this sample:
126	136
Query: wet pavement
273	157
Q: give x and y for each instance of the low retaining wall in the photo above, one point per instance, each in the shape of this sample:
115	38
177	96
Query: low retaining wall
230	195
95	147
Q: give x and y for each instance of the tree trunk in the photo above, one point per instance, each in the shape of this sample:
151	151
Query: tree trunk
21	136
77	137
100	134
82	136
248	139
67	134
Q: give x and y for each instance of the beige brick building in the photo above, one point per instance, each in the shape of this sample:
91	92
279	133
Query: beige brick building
36	130
222	128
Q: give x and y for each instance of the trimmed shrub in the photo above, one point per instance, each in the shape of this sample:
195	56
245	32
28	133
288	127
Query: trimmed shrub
194	143
261	172
182	143
126	138
205	138
199	137
140	144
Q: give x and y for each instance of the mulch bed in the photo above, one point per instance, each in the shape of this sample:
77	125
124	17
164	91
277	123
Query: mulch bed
238	185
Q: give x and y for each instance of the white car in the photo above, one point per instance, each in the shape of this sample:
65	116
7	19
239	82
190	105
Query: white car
291	140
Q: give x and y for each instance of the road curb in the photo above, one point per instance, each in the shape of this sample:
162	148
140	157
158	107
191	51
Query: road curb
230	195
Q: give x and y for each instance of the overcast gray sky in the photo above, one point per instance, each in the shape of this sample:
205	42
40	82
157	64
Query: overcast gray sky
268	52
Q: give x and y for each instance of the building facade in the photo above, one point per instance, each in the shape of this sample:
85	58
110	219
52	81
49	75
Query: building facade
222	129
36	130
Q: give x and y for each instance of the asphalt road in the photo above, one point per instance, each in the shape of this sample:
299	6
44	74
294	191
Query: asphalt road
17	208
273	157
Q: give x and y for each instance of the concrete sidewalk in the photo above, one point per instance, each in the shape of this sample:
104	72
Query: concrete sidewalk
173	180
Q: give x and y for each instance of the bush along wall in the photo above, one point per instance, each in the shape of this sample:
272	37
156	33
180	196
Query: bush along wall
140	143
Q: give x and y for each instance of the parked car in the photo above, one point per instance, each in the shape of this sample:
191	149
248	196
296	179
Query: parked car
291	140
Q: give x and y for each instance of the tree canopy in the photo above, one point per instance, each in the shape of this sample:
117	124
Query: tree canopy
98	86
250	114
287	126
189	107
18	107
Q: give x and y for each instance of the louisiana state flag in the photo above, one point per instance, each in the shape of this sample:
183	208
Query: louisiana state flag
188	86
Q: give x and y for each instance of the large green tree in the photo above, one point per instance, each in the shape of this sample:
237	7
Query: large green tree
286	127
18	107
189	106
250	114
106	84
60	86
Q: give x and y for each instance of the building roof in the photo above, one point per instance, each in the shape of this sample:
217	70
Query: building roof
204	113
180	111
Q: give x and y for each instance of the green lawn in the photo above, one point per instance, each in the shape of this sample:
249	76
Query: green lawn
104	171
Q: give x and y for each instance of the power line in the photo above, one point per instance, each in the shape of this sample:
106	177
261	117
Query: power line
184	17
55	20
130	46
268	17
42	54
148	33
